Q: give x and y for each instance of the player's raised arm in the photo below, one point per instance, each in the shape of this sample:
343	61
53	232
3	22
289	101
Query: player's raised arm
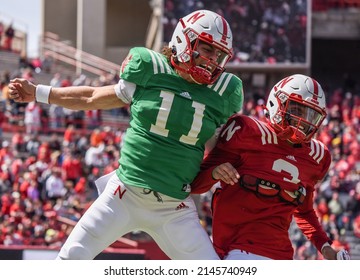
74	97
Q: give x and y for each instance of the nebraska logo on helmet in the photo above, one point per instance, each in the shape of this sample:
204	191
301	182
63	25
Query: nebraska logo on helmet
282	83
195	17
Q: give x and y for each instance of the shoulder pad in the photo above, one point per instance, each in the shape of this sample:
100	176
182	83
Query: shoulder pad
226	84
141	64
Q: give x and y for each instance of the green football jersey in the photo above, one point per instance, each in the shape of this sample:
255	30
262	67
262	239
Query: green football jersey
171	120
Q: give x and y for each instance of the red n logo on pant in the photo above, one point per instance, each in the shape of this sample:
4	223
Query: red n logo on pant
118	190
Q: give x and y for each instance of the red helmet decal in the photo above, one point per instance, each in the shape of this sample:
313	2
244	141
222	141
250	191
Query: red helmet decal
225	32
195	17
315	92
284	81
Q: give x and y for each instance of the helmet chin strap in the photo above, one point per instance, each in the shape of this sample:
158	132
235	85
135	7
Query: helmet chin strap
292	135
199	75
195	81
177	67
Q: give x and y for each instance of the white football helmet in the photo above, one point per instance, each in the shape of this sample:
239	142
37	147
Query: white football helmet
201	26
296	108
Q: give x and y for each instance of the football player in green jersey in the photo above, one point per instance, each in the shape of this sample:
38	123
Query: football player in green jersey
177	101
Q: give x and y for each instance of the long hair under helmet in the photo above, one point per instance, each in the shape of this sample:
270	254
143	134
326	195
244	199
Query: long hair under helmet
207	27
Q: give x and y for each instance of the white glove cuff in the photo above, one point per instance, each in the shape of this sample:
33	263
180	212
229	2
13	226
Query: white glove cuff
343	255
42	93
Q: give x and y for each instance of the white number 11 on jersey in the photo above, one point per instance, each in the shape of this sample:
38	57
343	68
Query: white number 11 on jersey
163	115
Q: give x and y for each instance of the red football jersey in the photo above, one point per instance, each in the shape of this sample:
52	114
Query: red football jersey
246	220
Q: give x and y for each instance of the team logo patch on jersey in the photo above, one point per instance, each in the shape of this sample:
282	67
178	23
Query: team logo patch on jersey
186	188
185	94
182	205
291	157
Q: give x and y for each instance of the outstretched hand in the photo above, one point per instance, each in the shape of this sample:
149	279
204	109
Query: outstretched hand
21	90
226	173
330	254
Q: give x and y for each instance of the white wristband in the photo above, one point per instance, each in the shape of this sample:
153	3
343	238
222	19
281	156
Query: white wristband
42	93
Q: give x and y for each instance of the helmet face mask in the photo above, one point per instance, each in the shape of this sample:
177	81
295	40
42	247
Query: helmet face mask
296	108
204	70
191	34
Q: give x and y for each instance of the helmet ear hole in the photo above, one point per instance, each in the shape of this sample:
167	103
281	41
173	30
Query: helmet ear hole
196	54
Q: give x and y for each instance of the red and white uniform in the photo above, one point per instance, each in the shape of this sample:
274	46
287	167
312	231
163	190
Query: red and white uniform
246	220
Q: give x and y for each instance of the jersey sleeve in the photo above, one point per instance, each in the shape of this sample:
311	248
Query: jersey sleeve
326	161
305	215
236	99
136	67
309	224
224	151
230	88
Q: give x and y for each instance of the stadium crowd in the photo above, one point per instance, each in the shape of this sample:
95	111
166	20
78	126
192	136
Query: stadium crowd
280	27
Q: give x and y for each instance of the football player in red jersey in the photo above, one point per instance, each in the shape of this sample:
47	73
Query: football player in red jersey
268	171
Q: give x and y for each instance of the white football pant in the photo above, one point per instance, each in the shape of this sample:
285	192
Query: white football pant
243	255
172	223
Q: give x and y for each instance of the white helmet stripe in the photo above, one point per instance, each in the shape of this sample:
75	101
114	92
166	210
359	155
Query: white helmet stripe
225	32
